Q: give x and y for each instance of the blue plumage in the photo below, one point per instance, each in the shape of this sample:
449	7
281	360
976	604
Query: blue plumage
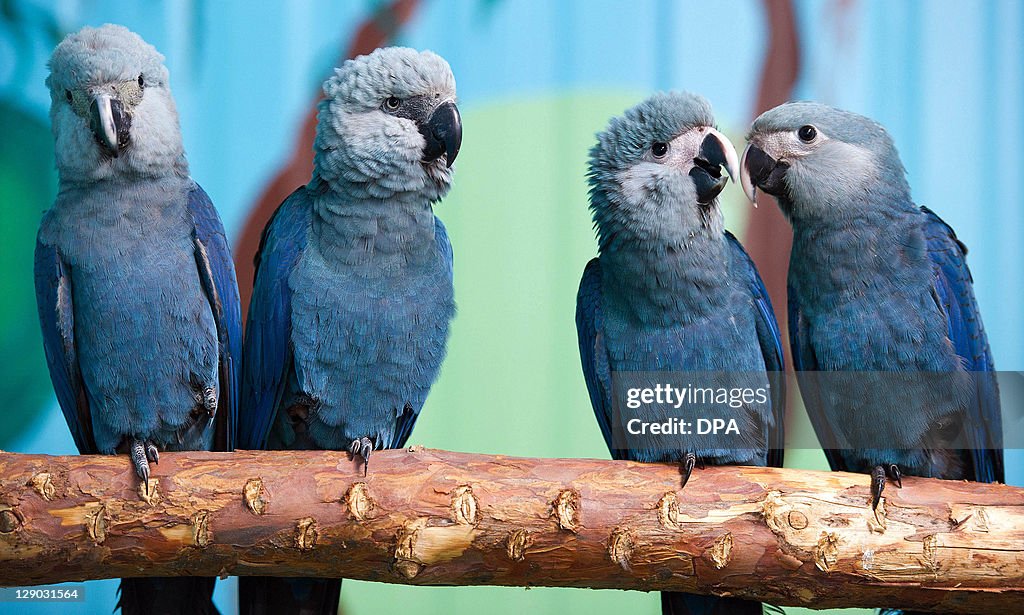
134	279
217	274
747	324
878	289
359	347
267	337
672	291
348	323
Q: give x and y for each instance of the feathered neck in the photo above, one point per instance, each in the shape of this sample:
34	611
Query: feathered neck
382	236
661	282
867	251
122	197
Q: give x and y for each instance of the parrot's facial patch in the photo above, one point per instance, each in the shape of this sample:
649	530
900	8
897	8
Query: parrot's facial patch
436	118
674	185
692	167
657	170
376	154
111	109
820	160
107	110
129	92
837	172
389	125
789	144
106	129
805	166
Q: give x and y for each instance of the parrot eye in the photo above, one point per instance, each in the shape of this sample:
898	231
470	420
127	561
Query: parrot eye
392	103
807	133
659	149
67	95
142	82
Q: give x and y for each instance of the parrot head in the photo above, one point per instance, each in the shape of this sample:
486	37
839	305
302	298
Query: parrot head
389	125
111	108
821	162
659	168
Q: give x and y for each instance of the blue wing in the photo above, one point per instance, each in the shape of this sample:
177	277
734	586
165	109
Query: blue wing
444	247
955	294
770	340
268	330
56	317
217	273
804	360
593	354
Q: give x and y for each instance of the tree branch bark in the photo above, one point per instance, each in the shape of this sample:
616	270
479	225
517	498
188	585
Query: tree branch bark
429	517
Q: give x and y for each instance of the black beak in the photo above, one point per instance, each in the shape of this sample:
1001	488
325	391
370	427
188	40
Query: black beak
707	169
765	172
443	133
110	124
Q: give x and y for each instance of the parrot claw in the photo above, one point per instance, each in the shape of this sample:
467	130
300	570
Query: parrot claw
152	453
878	477
689	461
362	448
139	453
897	475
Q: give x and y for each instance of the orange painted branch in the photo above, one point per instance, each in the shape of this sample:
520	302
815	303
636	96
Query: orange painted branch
428	517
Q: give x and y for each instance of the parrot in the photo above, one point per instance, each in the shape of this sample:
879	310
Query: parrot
353	298
878	286
134	279
672	291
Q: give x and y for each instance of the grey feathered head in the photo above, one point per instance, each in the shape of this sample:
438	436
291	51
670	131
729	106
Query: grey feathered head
822	162
657	170
389	126
111	107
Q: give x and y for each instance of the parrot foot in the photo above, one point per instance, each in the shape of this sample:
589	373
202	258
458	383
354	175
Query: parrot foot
141	453
210	401
362	448
689	460
878	476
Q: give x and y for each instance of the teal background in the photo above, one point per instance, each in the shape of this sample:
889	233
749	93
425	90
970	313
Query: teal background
536	80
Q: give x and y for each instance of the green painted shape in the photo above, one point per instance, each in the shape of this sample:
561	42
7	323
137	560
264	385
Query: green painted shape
512	383
27	187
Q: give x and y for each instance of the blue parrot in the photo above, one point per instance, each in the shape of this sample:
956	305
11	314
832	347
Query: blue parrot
349	318
880	287
672	291
134	279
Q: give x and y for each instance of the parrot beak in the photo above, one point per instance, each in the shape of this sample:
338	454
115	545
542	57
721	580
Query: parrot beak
759	170
443	133
109	123
716	151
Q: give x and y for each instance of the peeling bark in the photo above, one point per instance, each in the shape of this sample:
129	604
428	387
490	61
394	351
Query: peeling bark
429	517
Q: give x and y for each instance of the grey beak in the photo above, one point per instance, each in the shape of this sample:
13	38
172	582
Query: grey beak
707	176
443	133
109	123
758	170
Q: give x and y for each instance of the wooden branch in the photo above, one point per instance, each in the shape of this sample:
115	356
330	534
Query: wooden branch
430	517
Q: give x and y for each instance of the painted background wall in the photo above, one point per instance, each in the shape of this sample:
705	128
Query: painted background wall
536	79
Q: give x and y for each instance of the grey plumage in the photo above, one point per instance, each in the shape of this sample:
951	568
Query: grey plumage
349	319
135	284
887	339
672	292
